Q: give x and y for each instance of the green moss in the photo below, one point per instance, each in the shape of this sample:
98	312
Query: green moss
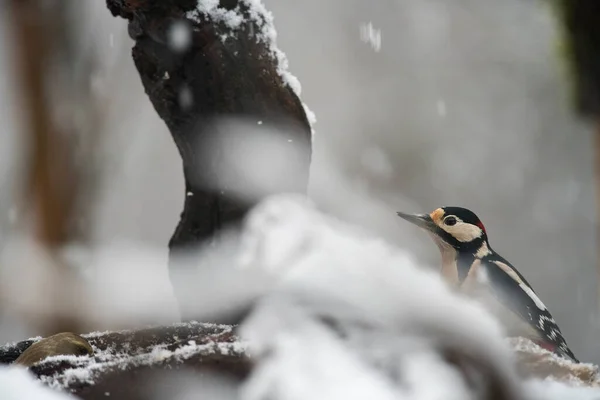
564	48
579	50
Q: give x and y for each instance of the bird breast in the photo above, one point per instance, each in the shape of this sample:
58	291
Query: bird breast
449	259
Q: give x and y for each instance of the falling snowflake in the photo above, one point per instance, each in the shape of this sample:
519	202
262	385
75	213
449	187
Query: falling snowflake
370	35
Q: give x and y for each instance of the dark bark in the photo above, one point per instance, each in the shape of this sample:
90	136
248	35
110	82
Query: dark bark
596	144
233	77
10	352
581	25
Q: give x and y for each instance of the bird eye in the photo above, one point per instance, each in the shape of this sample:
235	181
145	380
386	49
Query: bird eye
450	221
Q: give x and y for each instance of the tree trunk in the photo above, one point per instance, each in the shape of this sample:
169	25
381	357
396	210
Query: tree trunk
224	70
53	187
581	27
596	138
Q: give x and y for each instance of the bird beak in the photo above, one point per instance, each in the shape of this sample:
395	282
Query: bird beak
421	220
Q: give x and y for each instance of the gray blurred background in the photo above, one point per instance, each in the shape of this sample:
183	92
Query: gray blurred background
465	104
469	102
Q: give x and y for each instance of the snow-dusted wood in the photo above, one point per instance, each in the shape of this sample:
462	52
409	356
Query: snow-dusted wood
535	362
121	358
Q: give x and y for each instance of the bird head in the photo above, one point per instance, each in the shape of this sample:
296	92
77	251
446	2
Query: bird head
454	227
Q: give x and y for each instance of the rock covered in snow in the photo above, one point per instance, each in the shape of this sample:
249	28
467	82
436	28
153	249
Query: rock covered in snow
61	344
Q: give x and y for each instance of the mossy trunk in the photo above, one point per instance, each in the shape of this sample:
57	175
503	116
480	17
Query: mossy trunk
580	25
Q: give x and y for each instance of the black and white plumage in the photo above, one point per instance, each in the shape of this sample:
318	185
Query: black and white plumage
469	263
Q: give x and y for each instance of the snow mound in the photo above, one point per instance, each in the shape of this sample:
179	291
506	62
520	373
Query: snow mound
18	384
353	317
351	308
551	390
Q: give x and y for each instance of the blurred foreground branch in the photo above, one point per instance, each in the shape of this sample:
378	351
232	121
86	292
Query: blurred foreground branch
45	64
51	184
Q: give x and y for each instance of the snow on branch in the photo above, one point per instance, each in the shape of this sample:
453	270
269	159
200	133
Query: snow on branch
124	353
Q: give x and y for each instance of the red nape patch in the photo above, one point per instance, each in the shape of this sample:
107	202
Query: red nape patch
480	225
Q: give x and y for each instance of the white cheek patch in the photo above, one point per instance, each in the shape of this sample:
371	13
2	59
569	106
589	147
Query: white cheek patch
461	231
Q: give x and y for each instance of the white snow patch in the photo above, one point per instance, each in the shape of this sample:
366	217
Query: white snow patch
370	35
87	368
308	362
550	359
179	36
17	383
230	18
311	117
186	98
552	390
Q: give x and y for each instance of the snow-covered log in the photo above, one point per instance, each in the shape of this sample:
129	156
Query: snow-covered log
536	362
121	358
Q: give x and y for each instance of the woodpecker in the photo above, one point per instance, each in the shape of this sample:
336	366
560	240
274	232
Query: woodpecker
470	264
